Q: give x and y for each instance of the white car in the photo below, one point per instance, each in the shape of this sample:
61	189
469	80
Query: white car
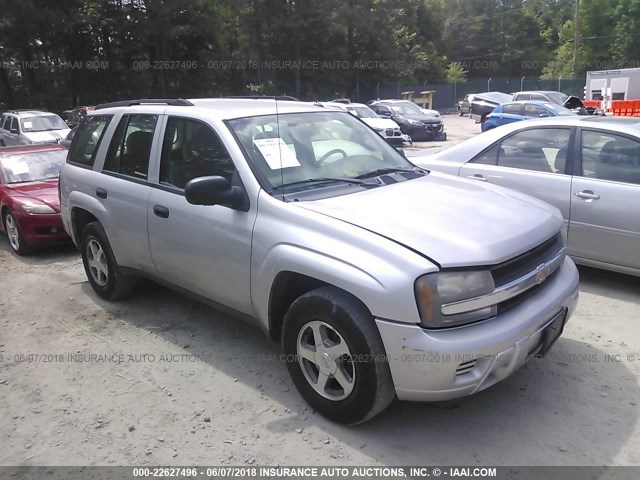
387	128
31	127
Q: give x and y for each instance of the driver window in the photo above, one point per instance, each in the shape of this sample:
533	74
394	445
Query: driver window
191	149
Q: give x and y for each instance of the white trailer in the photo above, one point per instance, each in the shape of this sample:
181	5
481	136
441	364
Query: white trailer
620	84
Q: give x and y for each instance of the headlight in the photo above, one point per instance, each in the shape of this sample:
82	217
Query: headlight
37	208
437	289
414	122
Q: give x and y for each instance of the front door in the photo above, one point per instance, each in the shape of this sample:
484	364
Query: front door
532	161
204	249
605	225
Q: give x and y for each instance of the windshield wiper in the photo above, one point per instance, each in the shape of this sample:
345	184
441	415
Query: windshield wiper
382	171
311	181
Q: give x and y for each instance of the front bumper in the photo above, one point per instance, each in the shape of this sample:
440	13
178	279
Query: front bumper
394	136
429	365
40	228
427	131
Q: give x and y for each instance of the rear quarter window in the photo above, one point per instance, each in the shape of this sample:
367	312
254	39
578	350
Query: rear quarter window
87	139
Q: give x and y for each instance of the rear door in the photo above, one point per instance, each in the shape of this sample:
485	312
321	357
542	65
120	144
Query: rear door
124	189
511	112
605	224
536	161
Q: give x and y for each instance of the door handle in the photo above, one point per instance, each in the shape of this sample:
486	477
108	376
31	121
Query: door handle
588	194
101	192
477	176
160	211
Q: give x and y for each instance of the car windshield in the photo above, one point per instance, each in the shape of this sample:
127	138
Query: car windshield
43	124
34	166
362	112
406	109
299	148
559	110
557	97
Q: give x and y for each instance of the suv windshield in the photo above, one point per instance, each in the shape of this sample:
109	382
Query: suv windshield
557	97
31	167
43	124
299	148
559	109
362	112
406	109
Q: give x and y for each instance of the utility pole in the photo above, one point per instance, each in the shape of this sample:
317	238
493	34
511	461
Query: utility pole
576	38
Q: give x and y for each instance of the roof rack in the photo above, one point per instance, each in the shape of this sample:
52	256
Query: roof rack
174	102
286	98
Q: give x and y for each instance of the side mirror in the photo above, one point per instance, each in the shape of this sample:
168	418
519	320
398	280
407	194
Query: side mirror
385	114
14	131
544	115
213	191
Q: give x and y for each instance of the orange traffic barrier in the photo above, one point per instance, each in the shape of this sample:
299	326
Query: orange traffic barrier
625	108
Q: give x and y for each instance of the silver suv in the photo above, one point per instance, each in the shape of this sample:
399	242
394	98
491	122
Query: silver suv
31	127
381	279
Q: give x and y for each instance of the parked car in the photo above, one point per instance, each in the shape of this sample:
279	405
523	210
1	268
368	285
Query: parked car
76	116
29	204
484	103
524	110
303	220
413	122
464	105
588	167
570	102
30	127
385	127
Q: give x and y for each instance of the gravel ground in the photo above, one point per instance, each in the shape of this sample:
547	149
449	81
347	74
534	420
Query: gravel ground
160	379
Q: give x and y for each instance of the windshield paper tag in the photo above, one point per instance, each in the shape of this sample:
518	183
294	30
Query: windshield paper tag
19	168
276	153
27	125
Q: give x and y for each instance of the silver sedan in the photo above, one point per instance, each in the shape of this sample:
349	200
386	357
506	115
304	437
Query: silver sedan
588	167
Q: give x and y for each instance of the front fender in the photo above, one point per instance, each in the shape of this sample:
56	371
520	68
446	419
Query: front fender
391	298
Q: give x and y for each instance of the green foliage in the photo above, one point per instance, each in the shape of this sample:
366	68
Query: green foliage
69	52
456	73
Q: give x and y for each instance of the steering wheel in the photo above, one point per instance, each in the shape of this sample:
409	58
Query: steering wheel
332	152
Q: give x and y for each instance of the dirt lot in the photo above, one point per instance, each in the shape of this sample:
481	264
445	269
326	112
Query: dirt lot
160	379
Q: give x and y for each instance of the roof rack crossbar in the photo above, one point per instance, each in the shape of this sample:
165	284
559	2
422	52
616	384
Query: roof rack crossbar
264	97
174	102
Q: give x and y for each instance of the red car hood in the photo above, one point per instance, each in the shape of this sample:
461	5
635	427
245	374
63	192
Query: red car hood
45	192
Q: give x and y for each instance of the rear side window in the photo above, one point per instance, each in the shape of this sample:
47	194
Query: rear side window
2	121
87	140
130	146
512	108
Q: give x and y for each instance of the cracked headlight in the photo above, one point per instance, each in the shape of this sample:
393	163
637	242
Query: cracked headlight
437	289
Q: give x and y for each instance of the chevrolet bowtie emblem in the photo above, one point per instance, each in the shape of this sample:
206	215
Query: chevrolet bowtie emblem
542	272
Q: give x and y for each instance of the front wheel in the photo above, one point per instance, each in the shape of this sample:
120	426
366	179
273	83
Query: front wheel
335	356
100	265
14	235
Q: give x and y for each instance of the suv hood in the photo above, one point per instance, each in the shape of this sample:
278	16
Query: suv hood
41	192
454	222
51	136
423	118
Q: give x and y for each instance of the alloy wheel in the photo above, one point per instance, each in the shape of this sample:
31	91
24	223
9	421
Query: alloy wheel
97	263
12	232
325	360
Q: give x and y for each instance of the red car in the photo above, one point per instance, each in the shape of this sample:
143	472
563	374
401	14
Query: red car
29	200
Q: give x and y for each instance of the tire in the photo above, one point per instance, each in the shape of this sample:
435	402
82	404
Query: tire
352	349
14	235
103	272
